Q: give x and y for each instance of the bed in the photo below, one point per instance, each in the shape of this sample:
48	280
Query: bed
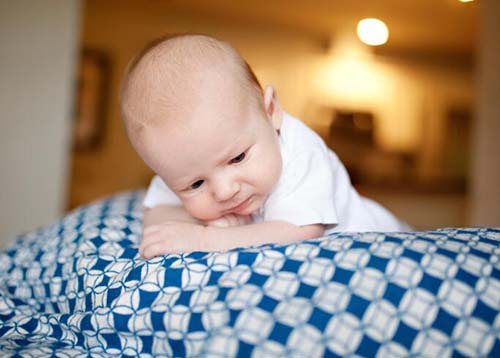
78	288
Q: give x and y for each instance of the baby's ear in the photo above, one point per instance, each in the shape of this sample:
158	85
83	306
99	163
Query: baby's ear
273	107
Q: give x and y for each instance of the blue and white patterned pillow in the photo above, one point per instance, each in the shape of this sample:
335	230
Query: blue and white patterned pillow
78	288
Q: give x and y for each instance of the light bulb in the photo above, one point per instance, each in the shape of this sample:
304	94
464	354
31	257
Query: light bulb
373	32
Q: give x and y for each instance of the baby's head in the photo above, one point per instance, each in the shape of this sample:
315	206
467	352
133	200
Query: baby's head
196	114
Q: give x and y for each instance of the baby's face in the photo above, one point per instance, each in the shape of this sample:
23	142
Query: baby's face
218	161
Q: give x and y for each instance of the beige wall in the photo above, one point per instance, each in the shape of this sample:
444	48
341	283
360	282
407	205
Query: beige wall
408	96
38	41
485	173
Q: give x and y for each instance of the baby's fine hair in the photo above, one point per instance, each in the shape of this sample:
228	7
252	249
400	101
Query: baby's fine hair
168	54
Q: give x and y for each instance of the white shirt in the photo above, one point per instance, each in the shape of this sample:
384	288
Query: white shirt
314	188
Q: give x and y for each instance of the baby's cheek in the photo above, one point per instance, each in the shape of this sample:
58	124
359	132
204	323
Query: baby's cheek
201	209
270	171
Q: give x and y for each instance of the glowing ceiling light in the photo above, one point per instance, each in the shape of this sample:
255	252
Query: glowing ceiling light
466	0
373	32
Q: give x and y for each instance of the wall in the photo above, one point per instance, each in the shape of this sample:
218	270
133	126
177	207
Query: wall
485	173
38	40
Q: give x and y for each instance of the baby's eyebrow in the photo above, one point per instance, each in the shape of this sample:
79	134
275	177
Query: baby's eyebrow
182	183
228	155
240	146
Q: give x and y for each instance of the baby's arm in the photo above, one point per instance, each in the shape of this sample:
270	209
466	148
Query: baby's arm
162	213
175	237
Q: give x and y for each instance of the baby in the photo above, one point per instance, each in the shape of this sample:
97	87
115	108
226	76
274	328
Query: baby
232	168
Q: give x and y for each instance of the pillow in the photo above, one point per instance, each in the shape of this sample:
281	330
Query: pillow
78	286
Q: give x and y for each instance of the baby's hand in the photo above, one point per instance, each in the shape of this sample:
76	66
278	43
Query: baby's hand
230	220
171	237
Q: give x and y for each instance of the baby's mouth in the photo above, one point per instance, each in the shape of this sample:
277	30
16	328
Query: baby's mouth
242	206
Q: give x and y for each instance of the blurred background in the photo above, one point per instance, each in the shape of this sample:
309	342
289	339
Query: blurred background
415	120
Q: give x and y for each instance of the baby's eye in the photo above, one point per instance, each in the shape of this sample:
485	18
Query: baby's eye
238	159
196	184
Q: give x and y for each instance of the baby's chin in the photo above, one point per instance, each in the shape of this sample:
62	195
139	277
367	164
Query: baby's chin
252	209
205	217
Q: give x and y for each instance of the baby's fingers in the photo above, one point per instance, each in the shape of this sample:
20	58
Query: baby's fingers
151	229
244	219
232	220
221	222
151	237
154	249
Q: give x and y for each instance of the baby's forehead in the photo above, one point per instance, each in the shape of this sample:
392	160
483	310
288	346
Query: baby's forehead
214	136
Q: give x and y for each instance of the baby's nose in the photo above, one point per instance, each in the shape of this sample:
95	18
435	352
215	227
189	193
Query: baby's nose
224	190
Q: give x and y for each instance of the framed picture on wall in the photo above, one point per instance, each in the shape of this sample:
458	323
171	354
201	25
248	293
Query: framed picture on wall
91	100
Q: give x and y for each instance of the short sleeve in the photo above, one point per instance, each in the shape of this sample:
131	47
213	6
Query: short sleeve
305	192
159	194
